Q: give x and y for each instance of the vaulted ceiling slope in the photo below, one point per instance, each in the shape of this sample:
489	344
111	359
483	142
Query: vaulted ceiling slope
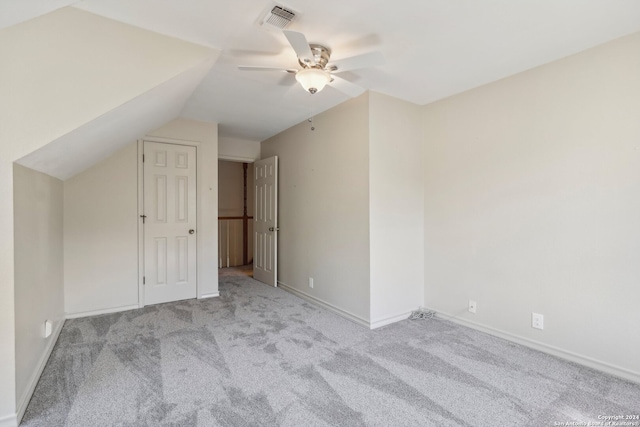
14	12
77	86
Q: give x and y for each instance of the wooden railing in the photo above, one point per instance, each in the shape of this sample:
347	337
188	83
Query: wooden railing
233	241
228	235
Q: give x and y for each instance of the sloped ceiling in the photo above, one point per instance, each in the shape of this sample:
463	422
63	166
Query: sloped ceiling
434	48
82	85
15	12
98	139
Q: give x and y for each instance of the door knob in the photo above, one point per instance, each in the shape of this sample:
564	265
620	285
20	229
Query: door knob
274	229
192	231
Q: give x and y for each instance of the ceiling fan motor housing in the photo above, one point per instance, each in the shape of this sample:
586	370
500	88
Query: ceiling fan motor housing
321	55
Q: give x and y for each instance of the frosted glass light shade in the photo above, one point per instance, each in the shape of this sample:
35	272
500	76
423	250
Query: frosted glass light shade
313	79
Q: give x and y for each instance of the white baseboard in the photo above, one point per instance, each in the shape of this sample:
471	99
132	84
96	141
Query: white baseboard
389	320
9	421
33	381
104	311
349	316
545	348
211	295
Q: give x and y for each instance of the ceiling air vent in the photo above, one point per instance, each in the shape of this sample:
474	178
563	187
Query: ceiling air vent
278	17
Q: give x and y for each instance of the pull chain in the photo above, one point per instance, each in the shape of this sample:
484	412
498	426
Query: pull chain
313	110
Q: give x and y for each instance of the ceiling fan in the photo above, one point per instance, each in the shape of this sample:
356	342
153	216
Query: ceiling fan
317	71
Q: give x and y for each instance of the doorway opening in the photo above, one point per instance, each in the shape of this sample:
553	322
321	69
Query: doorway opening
235	218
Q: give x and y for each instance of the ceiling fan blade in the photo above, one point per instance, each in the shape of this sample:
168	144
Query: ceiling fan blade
287	81
346	87
251	68
299	43
365	60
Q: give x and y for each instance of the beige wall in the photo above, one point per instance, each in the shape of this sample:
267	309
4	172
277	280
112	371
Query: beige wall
396	209
531	205
101	235
39	294
96	66
7	287
231	194
101	224
324	205
351	207
206	134
239	150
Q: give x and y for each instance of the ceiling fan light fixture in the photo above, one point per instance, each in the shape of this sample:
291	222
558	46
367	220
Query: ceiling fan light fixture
313	80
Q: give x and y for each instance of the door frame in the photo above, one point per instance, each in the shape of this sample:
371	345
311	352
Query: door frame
199	261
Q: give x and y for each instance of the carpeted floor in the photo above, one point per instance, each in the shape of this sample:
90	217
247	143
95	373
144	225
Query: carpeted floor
259	356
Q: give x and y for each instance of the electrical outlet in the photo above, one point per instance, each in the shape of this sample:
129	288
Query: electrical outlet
311	282
472	306
48	328
537	321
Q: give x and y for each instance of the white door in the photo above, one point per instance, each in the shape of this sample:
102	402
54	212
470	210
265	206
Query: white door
265	222
169	222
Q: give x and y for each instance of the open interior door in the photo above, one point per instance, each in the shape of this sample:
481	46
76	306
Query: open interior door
265	257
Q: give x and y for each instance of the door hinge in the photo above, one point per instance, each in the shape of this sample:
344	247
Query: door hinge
144	280
143	158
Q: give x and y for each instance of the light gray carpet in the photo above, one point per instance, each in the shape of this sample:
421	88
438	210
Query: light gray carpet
261	356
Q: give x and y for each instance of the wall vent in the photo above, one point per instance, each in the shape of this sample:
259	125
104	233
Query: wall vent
278	17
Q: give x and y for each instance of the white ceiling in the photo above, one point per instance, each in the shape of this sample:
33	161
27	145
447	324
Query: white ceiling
433	48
